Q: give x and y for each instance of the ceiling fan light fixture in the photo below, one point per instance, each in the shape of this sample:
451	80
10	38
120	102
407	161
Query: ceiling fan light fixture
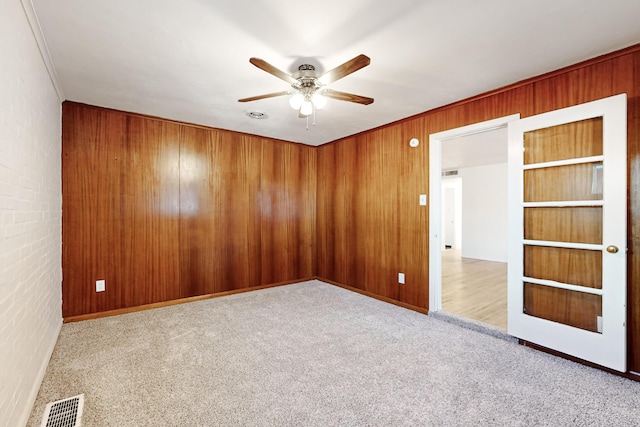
308	92
318	101
306	108
296	101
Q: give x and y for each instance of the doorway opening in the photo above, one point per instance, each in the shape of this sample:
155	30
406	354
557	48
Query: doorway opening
468	241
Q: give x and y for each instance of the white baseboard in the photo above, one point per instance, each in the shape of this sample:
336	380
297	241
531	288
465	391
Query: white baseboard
33	395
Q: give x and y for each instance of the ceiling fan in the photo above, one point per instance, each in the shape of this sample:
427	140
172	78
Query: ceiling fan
308	87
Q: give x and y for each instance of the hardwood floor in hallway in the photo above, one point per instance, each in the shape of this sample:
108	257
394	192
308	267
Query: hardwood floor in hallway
474	288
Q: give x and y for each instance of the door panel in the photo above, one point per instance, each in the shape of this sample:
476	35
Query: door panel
549	144
578	266
564	224
577	309
581	181
567	209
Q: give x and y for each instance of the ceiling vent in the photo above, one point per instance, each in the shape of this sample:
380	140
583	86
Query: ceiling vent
257	115
450	173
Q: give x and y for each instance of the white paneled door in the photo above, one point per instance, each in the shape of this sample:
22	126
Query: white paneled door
567	231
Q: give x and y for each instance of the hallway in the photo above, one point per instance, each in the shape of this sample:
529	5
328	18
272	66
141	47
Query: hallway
474	288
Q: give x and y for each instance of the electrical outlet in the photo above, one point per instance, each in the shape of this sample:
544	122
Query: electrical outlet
100	285
401	278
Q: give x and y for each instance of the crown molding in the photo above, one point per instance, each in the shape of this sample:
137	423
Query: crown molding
34	23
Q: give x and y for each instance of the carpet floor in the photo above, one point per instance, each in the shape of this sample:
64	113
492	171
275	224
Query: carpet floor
313	354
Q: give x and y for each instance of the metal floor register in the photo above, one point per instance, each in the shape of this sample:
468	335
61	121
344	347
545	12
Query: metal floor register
64	413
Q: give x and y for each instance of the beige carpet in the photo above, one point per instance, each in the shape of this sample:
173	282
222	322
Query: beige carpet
312	354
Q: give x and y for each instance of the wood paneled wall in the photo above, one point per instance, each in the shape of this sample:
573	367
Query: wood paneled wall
164	210
368	189
370	226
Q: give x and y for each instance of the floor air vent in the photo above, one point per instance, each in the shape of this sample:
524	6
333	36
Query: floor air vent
64	413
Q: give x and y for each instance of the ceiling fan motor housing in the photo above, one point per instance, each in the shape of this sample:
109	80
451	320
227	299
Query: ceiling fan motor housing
306	77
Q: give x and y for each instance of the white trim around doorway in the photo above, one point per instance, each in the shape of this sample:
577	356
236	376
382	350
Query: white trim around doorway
435	199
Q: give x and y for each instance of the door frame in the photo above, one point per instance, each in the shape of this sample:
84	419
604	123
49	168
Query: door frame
435	198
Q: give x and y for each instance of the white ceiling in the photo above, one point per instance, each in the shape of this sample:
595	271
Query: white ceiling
478	149
188	60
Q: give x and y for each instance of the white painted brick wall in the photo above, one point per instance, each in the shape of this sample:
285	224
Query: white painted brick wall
30	216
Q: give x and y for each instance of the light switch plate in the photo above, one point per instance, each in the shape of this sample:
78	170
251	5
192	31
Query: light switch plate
100	285
423	200
401	278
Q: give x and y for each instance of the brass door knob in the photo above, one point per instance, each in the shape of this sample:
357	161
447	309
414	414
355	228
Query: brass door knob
612	249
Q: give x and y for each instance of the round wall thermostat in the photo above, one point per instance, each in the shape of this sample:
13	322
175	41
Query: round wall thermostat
414	142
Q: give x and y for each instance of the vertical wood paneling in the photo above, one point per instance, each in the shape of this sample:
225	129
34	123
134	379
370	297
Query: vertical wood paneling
349	211
628	80
336	238
304	210
219	211
438	121
574	87
241	225
93	142
197	216
237	211
518	100
327	181
413	219
356	210
382	151
288	186
300	188
276	253
150	212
